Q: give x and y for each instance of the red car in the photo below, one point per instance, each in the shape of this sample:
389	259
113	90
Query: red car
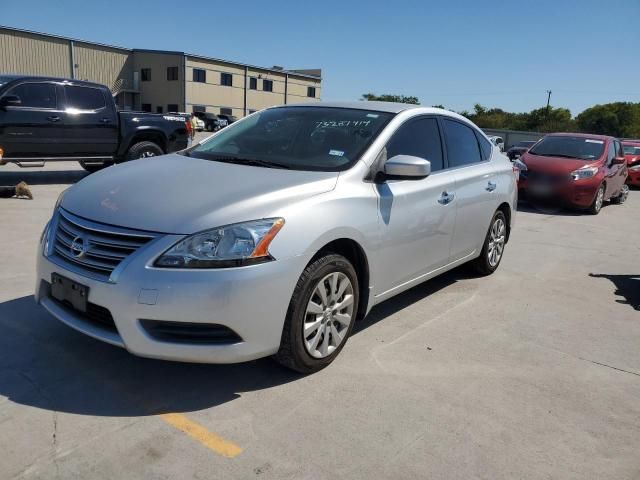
576	170
632	156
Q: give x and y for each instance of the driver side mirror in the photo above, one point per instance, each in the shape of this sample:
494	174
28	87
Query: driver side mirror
618	161
10	101
407	167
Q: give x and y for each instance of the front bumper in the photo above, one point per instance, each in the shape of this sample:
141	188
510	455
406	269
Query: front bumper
251	301
578	194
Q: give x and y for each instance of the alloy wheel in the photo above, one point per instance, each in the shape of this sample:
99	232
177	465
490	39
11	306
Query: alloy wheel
147	154
328	315
599	199
496	242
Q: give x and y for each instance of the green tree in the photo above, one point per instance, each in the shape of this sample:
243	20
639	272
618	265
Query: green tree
620	119
390	98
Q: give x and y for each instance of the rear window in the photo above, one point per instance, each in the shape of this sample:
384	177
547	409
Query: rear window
84	98
580	148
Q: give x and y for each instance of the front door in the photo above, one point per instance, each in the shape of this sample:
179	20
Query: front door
416	217
33	128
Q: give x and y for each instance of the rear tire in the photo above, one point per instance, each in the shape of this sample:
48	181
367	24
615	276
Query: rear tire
596	206
622	196
493	248
143	150
316	330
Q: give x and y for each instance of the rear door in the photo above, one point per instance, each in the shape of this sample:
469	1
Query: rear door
476	183
417	217
32	129
90	122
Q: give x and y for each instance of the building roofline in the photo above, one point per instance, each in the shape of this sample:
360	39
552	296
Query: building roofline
255	67
60	37
167	52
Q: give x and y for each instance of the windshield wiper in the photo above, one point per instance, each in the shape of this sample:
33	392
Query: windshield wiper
249	161
553	155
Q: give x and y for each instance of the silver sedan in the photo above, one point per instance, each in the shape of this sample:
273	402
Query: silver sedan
276	234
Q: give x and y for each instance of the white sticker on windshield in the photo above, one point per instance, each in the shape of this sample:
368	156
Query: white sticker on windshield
337	153
372	115
599	142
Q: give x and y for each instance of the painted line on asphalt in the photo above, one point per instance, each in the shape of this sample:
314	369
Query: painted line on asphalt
199	433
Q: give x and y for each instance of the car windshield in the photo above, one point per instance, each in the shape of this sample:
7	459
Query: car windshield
580	148
297	138
631	149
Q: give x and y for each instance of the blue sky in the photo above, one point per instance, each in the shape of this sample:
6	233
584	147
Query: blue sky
453	52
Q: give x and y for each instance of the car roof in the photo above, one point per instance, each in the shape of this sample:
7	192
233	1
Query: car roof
581	135
10	77
390	107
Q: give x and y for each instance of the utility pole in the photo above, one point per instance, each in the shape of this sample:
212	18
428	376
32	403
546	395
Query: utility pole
548	102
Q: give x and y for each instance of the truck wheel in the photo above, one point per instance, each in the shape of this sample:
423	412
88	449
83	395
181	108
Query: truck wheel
144	150
92	167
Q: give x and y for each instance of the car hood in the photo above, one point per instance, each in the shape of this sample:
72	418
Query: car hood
554	165
182	195
631	158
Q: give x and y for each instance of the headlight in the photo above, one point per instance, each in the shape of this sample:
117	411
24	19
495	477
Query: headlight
586	172
635	168
59	200
229	246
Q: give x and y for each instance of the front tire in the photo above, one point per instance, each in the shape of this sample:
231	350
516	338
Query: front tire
144	150
596	206
493	247
321	314
92	167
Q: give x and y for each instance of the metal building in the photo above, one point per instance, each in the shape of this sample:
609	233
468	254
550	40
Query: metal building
158	81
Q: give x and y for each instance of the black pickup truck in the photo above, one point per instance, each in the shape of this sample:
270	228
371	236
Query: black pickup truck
47	119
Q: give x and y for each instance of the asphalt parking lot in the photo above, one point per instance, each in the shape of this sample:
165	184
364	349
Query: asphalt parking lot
533	372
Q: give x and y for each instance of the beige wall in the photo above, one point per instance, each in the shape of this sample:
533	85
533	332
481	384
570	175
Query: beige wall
215	96
22	52
34	55
102	64
159	91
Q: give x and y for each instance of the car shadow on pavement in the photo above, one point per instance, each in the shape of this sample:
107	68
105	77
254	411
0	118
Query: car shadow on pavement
39	177
548	209
48	365
627	287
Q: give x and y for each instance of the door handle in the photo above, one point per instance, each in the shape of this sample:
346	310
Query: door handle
53	118
446	198
491	186
105	120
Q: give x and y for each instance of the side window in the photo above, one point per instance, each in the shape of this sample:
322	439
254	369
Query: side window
619	149
485	145
462	144
35	95
420	138
84	98
611	153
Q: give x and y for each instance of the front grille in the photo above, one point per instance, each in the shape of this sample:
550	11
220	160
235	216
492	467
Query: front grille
189	332
102	247
534	176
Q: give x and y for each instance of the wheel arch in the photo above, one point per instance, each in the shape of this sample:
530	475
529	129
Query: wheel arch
148	135
505	208
352	251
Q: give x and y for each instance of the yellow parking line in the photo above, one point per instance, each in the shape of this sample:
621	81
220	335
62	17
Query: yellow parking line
205	437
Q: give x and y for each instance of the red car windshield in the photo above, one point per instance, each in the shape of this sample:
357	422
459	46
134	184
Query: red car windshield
631	149
580	148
